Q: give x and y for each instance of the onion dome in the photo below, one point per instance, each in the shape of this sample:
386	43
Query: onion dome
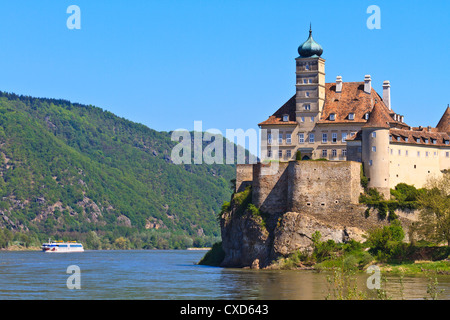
310	48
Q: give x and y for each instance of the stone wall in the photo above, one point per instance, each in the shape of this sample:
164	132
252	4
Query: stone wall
303	185
270	187
244	176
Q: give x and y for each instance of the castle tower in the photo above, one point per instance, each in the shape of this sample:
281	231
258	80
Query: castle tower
375	149
310	82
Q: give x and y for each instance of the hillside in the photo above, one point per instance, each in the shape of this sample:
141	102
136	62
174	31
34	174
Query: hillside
74	171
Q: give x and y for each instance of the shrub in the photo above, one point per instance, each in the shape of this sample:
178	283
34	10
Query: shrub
213	257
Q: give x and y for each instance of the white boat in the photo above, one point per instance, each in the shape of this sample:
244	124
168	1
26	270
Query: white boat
62	247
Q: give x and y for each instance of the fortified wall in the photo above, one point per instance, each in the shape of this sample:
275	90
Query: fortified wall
302	186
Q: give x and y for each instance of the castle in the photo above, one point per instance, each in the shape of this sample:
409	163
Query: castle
350	122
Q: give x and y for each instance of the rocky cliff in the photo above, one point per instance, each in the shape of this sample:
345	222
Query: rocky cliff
251	238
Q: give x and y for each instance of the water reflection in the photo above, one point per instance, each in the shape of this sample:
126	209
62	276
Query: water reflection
172	275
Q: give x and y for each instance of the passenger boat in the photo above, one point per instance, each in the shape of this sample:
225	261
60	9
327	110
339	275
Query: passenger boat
62	247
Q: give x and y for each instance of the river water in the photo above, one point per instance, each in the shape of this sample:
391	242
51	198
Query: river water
169	275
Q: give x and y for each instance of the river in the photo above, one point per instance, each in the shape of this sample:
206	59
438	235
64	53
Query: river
169	275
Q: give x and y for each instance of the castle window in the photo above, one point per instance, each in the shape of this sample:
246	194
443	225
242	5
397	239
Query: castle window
305	81
426	154
334	137
307	94
334	153
307	66
447	154
269	153
288	138
269	138
374	134
307	106
301	138
302	119
351	116
280	138
311	138
280	154
312	119
418	153
399	152
324	137
392	151
370	162
285	118
324	153
344	152
310	80
332	117
344	136
374	149
288	154
406	152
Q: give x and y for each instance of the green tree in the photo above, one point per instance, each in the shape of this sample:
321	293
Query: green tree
434	218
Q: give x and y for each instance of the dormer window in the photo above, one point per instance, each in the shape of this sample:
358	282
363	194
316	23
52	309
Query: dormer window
398	139
366	116
351	116
433	141
332	117
406	139
285	118
418	140
426	140
447	142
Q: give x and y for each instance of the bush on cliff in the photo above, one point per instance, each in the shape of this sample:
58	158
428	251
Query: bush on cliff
214	256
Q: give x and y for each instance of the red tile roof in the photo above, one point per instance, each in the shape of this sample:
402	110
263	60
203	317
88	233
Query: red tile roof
352	99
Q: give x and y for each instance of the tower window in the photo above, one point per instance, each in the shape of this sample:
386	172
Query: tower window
307	94
307	106
301	138
312	119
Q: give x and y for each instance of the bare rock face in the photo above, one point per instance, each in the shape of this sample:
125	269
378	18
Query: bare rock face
295	231
244	241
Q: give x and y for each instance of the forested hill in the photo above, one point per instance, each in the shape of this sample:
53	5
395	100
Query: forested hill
74	171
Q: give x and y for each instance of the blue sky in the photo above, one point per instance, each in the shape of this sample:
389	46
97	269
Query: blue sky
227	63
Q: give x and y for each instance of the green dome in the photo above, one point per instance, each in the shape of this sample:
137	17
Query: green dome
310	48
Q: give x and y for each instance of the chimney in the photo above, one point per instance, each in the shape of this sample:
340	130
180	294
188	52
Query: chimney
338	84
387	93
367	84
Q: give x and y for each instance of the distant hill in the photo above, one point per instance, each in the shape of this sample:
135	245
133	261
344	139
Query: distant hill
78	172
